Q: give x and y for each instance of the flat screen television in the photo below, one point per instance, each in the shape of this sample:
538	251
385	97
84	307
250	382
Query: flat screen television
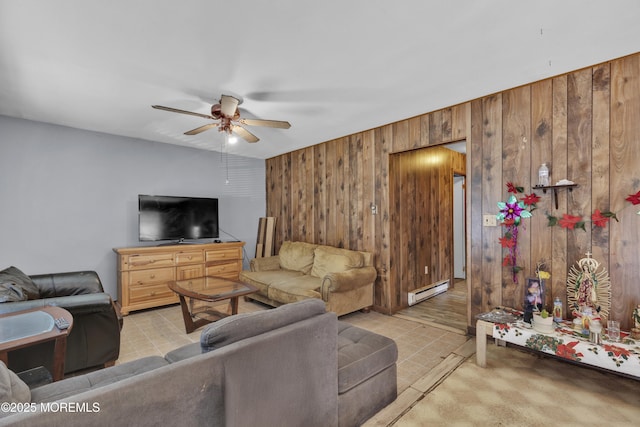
177	218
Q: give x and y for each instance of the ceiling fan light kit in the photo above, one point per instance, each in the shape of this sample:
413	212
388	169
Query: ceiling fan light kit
227	115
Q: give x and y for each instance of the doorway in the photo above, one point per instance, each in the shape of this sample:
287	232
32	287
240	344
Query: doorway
448	309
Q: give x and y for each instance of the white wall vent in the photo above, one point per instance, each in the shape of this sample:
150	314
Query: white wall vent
428	291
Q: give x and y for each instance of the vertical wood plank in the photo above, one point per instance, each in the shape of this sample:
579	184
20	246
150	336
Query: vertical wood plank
425	121
475	208
492	192
459	115
435	127
579	119
414	132
558	170
540	149
320	194
516	169
600	189
384	142
369	172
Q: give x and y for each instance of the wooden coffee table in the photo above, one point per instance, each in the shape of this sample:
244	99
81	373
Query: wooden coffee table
208	289
25	328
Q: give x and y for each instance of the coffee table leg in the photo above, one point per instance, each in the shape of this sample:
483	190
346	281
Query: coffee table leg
234	305
189	326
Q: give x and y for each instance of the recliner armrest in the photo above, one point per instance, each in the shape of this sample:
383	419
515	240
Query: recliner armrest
347	280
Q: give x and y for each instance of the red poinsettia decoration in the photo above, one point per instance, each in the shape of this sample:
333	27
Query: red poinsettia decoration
567	351
571	222
531	200
634	198
598	219
506	242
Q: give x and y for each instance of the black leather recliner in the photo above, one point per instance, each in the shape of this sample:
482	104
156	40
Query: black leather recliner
94	340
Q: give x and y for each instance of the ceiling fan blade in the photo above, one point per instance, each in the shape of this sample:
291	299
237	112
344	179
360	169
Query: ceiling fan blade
228	104
244	134
175	110
268	123
201	129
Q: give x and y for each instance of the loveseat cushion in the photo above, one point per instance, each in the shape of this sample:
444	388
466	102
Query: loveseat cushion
361	355
264	279
297	256
12	388
75	385
296	289
328	259
16	286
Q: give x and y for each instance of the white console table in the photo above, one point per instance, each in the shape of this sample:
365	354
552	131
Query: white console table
618	357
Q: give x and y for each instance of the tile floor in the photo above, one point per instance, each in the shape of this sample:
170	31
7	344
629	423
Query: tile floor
420	346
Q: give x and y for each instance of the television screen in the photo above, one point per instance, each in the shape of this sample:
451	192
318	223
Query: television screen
177	218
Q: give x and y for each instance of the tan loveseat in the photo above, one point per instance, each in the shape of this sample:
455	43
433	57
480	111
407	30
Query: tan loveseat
342	278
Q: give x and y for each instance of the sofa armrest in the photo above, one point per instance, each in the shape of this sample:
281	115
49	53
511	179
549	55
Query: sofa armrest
265	264
347	280
65	284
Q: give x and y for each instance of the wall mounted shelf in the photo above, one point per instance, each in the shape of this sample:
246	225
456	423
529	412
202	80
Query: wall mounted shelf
555	189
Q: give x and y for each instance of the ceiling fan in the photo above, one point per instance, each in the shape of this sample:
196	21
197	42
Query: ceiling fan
226	111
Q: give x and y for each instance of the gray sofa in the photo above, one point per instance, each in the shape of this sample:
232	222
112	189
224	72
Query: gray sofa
295	365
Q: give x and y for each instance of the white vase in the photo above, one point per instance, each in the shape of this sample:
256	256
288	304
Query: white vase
543	325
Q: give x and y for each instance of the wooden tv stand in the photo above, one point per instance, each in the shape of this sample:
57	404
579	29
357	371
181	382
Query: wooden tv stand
145	271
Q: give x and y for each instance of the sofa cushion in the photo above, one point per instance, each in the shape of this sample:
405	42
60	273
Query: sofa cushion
16	286
296	289
242	326
361	355
75	385
264	279
297	256
328	259
12	388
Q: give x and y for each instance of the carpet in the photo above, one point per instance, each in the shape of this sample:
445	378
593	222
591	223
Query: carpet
523	389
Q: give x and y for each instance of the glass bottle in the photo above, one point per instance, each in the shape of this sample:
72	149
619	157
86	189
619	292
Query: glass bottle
543	176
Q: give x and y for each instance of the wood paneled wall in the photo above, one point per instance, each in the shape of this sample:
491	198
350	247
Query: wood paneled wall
585	125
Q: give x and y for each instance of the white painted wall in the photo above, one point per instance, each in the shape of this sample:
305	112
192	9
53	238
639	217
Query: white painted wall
68	196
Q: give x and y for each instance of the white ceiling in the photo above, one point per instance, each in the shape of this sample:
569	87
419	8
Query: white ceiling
331	67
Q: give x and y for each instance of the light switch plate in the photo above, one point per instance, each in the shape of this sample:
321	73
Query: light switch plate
489	220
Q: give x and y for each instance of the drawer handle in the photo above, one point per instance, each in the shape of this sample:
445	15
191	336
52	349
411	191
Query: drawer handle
143	262
153	276
152	294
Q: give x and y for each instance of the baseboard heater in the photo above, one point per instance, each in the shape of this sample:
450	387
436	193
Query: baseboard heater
428	291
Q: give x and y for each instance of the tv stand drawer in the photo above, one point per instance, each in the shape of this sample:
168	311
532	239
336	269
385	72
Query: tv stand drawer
139	262
191	257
